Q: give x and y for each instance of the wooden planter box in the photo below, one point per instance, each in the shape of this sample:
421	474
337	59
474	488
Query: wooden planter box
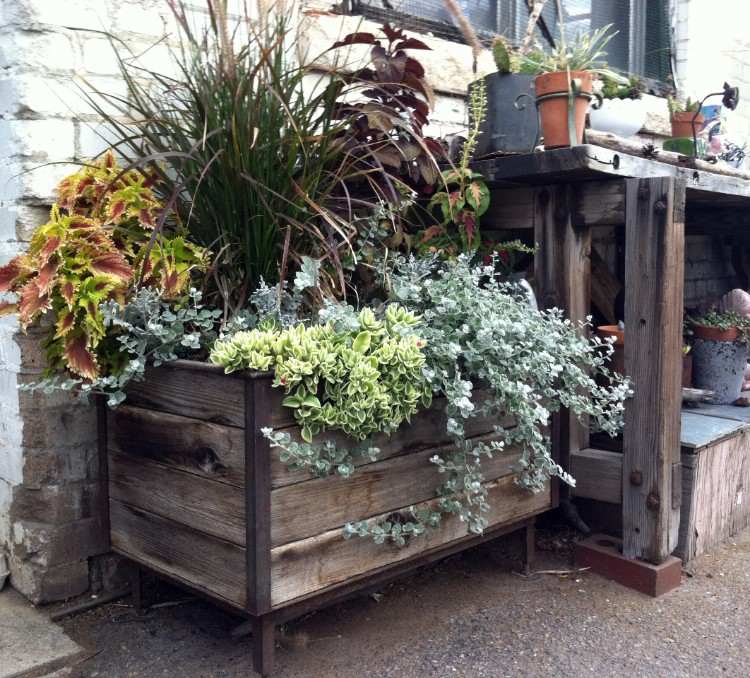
196	495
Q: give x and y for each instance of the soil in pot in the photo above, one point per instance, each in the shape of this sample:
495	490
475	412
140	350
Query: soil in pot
682	124
553	111
719	366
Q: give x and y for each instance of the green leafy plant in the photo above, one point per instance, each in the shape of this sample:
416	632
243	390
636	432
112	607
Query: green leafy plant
622	88
586	52
361	381
465	197
105	236
687	106
529	364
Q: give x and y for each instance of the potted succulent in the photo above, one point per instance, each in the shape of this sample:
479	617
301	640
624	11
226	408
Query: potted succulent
511	124
683	117
564	84
621	111
720	353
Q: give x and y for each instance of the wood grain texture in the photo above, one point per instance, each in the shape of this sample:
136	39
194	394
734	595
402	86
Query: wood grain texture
205	563
562	270
715	495
209	450
654	278
427	429
321	562
207	506
305	509
191	392
598	474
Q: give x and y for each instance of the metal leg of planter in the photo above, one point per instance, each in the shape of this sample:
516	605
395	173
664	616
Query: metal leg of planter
529	547
264	644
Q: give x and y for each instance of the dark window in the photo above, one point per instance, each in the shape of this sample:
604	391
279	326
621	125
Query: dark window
641	45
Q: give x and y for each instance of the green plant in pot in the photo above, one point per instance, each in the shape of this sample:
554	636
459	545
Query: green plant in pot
564	84
720	353
511	123
622	111
682	116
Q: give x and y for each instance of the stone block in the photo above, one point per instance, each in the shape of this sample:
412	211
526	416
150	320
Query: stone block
49	584
55	545
69	425
61	464
56	504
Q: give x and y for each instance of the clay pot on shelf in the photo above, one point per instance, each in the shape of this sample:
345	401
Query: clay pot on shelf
553	110
715	334
682	124
617	363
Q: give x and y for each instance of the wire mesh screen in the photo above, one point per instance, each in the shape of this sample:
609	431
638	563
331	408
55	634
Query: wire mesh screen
641	45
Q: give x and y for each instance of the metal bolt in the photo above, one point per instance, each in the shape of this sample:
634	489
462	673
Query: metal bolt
636	478
660	207
652	501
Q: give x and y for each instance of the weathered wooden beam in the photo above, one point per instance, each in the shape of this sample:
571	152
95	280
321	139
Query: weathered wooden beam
562	272
654	278
598	474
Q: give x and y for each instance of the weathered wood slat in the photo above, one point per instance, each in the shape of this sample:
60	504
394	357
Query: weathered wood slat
307	566
715	495
305	509
654	277
205	505
426	430
598	474
209	450
191	392
205	563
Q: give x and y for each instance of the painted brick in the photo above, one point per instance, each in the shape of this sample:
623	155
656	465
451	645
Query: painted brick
38	138
46	51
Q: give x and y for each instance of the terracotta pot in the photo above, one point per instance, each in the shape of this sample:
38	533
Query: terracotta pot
617	363
682	124
687	370
715	334
553	112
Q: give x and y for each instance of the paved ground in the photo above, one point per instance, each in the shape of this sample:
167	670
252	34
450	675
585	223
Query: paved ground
29	643
470	616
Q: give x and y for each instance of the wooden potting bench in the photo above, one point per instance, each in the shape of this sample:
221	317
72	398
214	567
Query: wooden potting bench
563	195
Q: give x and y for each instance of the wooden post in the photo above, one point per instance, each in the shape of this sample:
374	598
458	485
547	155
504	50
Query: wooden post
654	280
562	274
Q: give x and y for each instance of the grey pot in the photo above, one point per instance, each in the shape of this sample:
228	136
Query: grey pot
719	366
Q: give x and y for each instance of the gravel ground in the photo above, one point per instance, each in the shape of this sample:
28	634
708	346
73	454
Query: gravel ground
468	616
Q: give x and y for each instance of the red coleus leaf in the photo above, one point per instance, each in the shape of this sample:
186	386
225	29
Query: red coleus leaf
67	290
80	360
46	276
414	67
411	43
112	264
470	224
64	324
146	218
9	273
356	39
392	33
50	247
82	224
116	210
31	303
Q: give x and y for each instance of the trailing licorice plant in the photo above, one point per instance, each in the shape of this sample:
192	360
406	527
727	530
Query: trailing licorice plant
315	199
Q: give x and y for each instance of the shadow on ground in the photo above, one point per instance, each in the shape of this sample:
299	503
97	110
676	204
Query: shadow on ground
471	615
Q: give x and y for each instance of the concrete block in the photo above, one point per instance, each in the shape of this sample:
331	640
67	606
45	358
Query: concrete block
38	138
49	584
51	546
60	464
46	51
54	504
69	425
99	56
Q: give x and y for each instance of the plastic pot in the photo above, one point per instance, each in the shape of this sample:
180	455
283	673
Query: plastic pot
719	366
552	101
715	334
682	124
511	124
622	117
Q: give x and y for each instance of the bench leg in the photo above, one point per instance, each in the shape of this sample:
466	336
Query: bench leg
529	547
136	591
264	644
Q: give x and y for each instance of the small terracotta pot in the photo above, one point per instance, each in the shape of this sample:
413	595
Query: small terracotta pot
682	124
617	363
553	112
687	370
715	334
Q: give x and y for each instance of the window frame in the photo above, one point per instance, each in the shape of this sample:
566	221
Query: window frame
508	24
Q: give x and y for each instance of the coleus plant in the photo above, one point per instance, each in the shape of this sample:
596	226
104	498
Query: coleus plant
104	238
385	111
